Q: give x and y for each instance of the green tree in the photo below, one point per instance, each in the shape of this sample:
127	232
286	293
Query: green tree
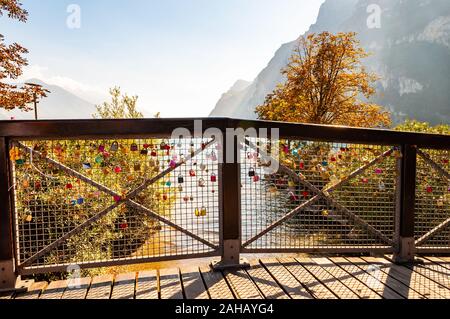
120	106
423	127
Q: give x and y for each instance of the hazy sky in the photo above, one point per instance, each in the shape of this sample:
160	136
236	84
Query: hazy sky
178	56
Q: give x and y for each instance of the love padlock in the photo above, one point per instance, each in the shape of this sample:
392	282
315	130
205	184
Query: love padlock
251	172
180	179
213	178
114	146
87	166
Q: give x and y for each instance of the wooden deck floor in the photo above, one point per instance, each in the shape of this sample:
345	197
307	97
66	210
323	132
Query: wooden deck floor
268	278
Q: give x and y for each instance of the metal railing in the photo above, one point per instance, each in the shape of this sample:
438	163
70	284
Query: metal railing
96	193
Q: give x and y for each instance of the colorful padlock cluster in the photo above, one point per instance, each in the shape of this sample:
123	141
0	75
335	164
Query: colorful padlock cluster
101	158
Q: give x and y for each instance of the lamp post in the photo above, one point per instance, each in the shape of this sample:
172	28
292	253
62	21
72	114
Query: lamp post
36	88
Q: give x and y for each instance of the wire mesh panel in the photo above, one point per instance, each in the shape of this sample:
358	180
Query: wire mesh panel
432	230
324	195
101	201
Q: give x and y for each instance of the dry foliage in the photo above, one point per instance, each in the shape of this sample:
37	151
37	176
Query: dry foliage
11	64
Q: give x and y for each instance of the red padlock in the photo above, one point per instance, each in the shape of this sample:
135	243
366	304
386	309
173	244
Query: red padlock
213	178
154	153
192	173
293	197
123	226
256	178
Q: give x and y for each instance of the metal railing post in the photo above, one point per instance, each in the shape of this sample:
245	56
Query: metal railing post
9	279
7	272
405	241
230	206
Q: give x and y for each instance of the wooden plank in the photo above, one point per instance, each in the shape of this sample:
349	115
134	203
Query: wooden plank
216	284
327	279
55	290
170	284
77	290
34	291
124	286
266	284
371	282
194	288
347	279
314	286
435	272
445	259
101	287
383	278
434	280
286	280
406	276
241	284
147	285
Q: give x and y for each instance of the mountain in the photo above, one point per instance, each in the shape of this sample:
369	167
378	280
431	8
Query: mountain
410	53
60	104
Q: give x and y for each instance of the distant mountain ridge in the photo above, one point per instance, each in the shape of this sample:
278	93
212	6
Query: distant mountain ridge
411	54
60	104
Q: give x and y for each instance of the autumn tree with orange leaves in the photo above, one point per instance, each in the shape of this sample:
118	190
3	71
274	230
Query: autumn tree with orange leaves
326	84
11	64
